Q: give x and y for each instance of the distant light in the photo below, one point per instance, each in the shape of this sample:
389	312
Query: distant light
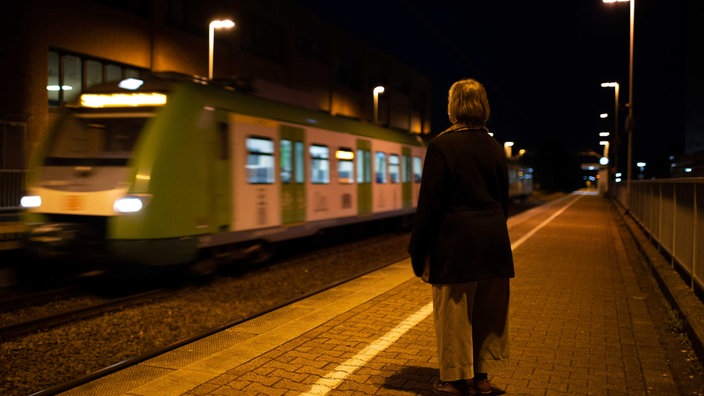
31	201
55	88
130	83
616	1
641	164
617	180
603	115
619	174
311	121
603	142
508	144
603	134
379	90
687	170
604	160
609	84
123	100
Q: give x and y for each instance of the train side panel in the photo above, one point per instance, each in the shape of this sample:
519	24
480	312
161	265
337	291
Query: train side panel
256	189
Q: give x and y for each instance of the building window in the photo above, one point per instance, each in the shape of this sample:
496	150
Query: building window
320	164
94	73
72	84
69	74
260	160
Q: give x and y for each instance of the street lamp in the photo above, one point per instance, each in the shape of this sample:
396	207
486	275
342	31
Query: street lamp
508	149
629	120
377	90
215	24
615	139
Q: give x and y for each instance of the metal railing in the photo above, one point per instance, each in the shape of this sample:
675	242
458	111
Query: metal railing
671	211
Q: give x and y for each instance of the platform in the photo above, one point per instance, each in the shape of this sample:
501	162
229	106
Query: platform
579	325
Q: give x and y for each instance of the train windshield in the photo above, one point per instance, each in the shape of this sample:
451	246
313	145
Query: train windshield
96	139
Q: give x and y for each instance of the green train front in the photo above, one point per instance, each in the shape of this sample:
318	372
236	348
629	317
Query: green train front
146	174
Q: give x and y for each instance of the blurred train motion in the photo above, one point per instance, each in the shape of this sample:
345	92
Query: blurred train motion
520	180
173	170
163	171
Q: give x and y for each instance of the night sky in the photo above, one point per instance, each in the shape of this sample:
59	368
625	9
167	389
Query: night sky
541	61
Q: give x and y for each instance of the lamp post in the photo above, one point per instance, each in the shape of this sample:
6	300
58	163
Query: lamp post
377	90
508	149
215	24
615	139
629	120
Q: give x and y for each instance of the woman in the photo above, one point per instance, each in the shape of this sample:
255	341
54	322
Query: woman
460	243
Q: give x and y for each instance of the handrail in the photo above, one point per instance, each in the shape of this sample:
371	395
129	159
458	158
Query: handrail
671	212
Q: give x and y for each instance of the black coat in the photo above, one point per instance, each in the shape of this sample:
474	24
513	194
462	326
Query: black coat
460	221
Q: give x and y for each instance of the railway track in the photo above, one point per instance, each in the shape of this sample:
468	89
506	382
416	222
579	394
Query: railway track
71	315
152	353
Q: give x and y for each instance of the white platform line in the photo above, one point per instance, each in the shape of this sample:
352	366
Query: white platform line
332	379
525	237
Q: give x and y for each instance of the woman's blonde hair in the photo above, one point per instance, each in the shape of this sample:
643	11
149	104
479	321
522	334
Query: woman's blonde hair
468	104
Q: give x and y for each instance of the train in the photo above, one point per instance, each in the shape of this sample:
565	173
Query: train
169	170
520	179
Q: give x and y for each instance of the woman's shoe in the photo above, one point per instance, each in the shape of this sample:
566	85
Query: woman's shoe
455	388
482	387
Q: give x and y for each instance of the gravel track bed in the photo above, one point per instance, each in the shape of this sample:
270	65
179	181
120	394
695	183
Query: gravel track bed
53	357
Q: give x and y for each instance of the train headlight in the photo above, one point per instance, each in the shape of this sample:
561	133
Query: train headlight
130	204
31	201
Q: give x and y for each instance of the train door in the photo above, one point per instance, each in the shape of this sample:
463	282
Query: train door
256	193
406	179
292	171
364	176
222	177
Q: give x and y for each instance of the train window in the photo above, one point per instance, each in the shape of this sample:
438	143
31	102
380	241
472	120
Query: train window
406	169
298	163
105	141
260	160
345	165
417	169
286	151
380	167
364	172
320	164
394	174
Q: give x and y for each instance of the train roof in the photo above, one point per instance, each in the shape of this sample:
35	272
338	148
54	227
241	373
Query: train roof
237	96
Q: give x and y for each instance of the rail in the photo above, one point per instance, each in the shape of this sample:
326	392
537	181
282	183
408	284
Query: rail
671	212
